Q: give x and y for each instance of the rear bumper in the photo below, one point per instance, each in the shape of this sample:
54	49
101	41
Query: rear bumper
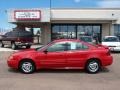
22	44
107	61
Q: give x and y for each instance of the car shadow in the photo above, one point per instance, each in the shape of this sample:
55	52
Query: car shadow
104	70
115	52
81	71
60	71
13	70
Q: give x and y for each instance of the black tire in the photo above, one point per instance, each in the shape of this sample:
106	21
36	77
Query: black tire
1	44
13	46
27	67
93	66
28	46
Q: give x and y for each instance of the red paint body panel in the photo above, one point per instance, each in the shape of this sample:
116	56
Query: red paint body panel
73	58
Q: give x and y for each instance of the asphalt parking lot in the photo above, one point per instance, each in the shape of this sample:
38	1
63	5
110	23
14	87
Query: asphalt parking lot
107	79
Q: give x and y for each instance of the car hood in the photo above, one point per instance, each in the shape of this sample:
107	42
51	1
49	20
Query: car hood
111	43
24	52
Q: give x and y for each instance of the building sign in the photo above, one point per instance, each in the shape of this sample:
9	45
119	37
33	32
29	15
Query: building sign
27	14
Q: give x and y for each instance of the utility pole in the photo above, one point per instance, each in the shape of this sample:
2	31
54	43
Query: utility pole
50	4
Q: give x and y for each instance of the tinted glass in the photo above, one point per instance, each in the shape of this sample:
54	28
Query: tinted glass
86	39
57	47
25	34
111	39
76	46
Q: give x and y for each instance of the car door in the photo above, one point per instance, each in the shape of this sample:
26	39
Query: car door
77	54
55	55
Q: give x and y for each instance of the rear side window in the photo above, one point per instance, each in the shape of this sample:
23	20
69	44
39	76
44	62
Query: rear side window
76	46
25	34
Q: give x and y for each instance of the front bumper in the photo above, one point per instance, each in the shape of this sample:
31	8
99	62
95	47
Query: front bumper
12	64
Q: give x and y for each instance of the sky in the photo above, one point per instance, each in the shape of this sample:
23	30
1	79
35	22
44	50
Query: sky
19	4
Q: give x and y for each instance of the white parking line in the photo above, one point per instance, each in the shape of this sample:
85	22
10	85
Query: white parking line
6	49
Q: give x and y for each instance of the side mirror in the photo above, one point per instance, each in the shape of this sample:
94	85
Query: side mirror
45	51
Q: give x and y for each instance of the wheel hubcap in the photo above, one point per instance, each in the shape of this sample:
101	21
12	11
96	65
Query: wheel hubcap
93	66
27	67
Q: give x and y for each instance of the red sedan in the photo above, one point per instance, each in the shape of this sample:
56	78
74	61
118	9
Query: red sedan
59	54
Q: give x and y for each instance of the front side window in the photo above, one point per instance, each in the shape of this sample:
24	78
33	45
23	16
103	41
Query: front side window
57	47
76	46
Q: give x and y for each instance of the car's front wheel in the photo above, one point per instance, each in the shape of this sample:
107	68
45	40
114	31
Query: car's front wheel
27	67
93	66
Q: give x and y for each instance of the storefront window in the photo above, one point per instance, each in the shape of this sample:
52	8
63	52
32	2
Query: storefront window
72	32
75	31
80	31
55	32
63	32
117	30
97	33
88	30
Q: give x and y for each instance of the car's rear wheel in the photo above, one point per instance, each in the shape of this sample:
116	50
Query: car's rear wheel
1	44
27	67
13	46
93	66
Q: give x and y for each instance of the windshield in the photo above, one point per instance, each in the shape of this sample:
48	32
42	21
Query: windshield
42	46
38	48
111	39
86	39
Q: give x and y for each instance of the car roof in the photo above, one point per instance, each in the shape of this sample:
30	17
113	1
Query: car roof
60	40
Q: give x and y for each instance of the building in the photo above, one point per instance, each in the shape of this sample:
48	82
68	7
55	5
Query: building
59	23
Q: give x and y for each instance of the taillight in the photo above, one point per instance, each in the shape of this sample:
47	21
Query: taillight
108	52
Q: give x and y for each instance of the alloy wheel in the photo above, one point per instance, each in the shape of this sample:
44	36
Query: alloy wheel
27	67
93	66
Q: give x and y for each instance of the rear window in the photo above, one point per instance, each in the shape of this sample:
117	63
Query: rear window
111	39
